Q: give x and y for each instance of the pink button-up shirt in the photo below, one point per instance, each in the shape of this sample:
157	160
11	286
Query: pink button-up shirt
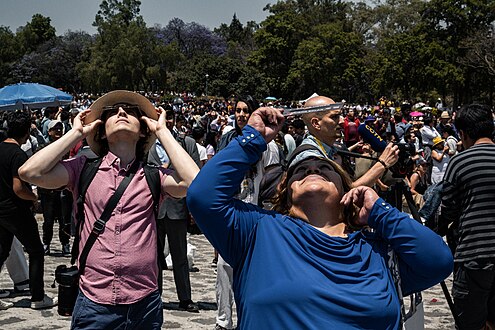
122	265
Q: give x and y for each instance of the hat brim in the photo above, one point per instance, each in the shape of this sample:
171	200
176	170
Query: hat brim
112	98
441	141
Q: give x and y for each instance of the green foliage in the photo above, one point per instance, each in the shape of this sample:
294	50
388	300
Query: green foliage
403	49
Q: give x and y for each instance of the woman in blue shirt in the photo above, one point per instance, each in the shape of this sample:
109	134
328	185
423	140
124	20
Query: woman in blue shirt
310	267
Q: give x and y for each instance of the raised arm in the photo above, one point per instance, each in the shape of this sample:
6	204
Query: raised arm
424	258
43	168
226	221
185	168
388	158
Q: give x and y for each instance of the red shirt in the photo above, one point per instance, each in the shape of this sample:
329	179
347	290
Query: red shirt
122	265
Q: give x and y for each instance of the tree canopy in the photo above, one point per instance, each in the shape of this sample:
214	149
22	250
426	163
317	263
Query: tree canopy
403	49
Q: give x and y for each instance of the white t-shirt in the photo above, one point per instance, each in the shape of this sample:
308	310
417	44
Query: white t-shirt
202	152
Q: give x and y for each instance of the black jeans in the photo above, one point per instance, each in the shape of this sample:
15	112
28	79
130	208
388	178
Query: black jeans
176	232
22	225
474	294
54	207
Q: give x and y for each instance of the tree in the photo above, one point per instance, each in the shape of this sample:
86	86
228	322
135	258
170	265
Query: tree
122	46
9	53
35	33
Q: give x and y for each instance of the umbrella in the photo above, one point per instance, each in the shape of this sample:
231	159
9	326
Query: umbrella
18	96
270	98
416	114
419	105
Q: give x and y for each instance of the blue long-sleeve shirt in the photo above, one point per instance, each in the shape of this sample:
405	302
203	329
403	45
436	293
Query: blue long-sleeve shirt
289	275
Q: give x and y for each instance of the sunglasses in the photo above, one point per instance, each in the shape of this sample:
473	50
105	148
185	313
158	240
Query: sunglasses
112	110
245	110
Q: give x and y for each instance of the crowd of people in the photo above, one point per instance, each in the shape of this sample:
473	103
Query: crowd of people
327	231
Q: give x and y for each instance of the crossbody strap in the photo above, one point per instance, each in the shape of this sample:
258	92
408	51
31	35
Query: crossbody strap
87	174
100	223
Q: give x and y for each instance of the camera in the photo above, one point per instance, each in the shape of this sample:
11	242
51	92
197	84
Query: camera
405	164
68	285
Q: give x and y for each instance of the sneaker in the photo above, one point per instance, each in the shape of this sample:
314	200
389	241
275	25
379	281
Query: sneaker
5	305
21	287
46	248
66	250
214	262
188	306
47	302
4	293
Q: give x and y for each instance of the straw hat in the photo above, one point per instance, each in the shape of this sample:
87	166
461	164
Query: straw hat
445	115
437	140
115	97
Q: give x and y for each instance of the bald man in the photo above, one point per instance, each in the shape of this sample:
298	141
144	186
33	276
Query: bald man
325	127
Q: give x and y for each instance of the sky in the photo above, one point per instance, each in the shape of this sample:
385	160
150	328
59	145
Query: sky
76	15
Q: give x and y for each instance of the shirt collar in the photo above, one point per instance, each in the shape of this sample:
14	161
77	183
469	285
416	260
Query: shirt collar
111	160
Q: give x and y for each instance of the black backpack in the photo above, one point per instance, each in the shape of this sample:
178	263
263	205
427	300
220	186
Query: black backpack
273	175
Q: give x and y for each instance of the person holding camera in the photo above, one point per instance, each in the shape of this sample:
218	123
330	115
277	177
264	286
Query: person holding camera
320	260
119	285
325	127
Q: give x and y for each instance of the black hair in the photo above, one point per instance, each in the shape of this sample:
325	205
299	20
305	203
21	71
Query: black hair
198	132
19	123
298	124
449	129
250	102
252	105
64	115
50	110
475	120
211	139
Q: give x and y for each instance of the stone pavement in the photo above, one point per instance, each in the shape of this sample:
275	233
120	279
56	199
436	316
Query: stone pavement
437	313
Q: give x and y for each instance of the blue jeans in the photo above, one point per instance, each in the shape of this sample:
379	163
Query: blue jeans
144	314
433	199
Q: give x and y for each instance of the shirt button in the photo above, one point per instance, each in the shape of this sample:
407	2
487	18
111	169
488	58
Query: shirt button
244	140
383	204
387	207
248	137
252	135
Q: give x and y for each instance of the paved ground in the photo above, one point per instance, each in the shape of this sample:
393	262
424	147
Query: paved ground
437	313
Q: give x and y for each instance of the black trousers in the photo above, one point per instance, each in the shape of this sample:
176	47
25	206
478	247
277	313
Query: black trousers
176	231
54	203
22	225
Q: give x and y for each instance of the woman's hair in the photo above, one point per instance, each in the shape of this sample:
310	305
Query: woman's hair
250	101
18	124
282	201
211	138
101	139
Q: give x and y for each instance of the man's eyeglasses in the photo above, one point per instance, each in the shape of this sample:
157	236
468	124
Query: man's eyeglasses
245	110
111	110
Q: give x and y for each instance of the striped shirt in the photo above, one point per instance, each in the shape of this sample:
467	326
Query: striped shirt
468	197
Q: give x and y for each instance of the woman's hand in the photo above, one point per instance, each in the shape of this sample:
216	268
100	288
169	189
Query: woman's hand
267	121
81	127
364	198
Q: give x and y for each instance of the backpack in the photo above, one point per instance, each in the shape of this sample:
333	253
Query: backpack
88	173
274	173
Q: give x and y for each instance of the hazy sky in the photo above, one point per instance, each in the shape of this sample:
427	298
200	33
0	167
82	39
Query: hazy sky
80	14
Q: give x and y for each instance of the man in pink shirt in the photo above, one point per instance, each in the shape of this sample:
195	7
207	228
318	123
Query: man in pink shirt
118	287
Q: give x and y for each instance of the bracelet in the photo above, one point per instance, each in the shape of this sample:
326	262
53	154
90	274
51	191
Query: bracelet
383	163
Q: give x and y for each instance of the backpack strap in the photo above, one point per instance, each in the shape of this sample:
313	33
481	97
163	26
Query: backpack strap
87	174
152	175
302	148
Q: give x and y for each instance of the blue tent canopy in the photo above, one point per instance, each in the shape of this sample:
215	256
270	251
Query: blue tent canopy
18	96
